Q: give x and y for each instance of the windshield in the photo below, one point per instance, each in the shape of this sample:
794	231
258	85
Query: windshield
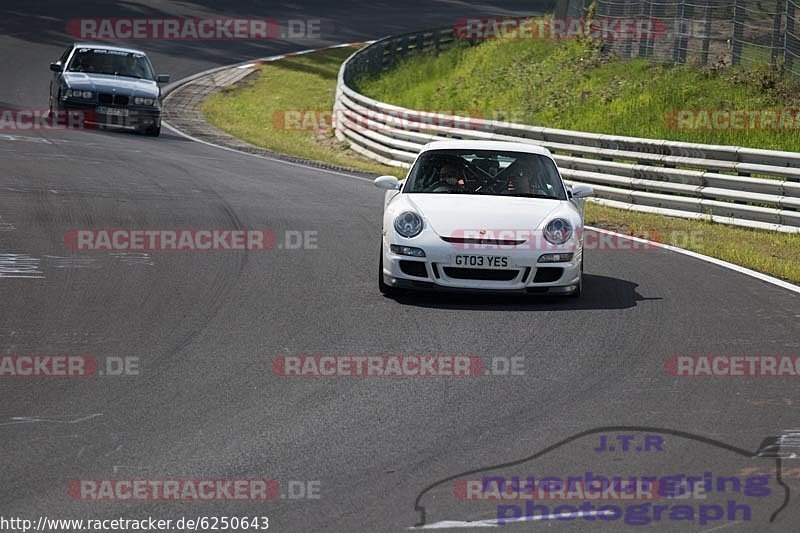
486	172
117	63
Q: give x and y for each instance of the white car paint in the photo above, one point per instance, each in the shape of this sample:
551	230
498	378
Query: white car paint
463	215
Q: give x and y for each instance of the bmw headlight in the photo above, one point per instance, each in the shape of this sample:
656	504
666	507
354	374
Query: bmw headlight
557	231
408	224
75	93
144	101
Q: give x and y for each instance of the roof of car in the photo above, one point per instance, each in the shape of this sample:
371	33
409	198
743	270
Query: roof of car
500	146
108	47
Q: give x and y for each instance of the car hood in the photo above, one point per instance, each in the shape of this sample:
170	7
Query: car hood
106	83
451	214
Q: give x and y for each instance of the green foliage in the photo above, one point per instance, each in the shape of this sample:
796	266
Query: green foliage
571	85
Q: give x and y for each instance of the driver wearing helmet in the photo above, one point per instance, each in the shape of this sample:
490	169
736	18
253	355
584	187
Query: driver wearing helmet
451	178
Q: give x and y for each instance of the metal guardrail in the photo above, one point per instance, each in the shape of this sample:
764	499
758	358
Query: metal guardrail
727	184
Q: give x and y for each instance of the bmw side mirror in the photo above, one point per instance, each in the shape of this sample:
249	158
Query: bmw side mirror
163	78
387	182
580	190
55	67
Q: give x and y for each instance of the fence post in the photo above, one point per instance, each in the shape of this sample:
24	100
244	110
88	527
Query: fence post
738	31
643	40
627	12
680	31
658	12
562	6
706	32
687	24
789	38
775	45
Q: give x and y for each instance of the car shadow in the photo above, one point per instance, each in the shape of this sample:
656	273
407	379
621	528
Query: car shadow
599	292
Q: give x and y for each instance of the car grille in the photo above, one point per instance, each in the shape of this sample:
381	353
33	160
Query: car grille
501	242
113	99
485	274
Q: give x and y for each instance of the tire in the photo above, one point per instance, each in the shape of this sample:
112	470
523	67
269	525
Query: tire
154	131
51	112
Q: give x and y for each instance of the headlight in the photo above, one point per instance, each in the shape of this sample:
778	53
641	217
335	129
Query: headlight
74	93
143	101
408	224
557	231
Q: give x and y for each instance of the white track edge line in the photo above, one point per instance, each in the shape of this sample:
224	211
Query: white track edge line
719	262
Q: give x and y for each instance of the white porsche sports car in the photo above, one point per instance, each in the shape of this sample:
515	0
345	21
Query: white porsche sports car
482	215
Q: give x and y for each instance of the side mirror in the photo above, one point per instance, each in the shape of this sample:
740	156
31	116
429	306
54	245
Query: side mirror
580	190
56	67
387	182
162	78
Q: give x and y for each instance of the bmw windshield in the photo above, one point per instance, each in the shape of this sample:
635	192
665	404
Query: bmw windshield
486	172
112	62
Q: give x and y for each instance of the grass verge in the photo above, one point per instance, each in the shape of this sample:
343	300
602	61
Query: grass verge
263	112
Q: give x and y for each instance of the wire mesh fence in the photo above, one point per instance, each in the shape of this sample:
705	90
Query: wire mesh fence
704	32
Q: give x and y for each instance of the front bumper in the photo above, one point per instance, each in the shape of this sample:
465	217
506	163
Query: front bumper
438	271
138	118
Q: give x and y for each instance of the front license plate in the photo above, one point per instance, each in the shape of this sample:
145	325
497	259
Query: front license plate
112	111
481	261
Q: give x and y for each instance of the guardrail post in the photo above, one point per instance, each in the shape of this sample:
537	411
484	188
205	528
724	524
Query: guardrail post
404	46
391	59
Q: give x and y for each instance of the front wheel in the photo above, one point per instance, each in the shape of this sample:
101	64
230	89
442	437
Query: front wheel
153	131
